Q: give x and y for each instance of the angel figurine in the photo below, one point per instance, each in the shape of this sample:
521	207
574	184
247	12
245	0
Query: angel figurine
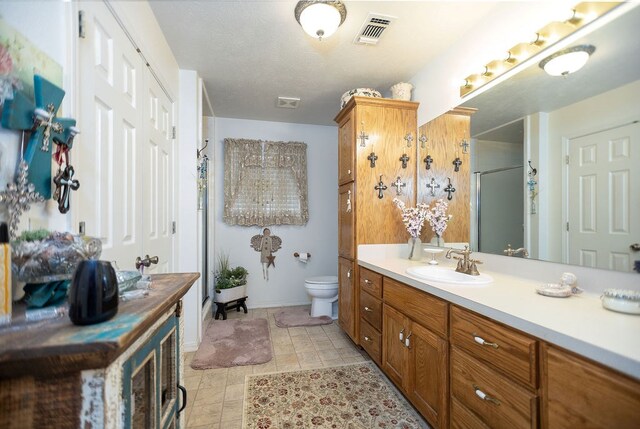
266	244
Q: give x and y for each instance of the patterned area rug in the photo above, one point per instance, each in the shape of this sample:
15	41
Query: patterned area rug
345	397
299	316
234	342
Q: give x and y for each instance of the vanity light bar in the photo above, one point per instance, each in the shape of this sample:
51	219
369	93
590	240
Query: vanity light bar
547	36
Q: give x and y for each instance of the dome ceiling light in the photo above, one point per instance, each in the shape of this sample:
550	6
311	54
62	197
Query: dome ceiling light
320	19
567	61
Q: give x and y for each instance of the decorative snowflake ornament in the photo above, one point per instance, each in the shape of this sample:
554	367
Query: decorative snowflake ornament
18	198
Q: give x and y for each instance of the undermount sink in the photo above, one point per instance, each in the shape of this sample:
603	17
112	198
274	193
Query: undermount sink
448	275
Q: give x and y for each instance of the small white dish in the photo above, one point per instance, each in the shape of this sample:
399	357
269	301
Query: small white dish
622	301
555	290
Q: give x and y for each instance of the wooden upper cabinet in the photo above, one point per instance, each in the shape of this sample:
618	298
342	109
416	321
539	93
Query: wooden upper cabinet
346	149
577	393
346	221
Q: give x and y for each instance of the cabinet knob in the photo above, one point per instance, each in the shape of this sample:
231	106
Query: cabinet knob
367	309
367	339
401	335
348	171
407	341
484	396
482	342
349	273
367	281
348	202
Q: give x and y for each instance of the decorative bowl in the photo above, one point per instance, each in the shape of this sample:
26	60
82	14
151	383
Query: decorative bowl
127	279
622	301
360	92
401	91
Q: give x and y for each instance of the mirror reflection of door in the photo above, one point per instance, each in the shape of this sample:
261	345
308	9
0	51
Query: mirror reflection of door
604	198
499	188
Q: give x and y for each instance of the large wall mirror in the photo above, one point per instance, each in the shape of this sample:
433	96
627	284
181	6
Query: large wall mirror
581	134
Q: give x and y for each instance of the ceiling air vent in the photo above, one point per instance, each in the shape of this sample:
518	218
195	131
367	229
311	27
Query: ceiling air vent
373	28
288	102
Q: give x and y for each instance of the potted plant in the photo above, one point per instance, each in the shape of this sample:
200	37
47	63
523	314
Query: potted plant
231	283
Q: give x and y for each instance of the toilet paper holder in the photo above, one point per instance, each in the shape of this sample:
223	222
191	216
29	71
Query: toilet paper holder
297	255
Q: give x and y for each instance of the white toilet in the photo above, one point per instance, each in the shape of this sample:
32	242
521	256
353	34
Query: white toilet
323	291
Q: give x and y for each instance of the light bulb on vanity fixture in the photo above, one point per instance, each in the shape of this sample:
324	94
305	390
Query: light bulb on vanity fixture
567	60
320	19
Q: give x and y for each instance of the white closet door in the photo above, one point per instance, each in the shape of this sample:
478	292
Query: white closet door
108	153
158	165
604	198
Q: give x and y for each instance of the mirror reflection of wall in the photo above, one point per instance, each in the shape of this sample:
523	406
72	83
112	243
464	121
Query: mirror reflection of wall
497	184
587	210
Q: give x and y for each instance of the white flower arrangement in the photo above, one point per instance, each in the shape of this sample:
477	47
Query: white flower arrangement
438	218
413	217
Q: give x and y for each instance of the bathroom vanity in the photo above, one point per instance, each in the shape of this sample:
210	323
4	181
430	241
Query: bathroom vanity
497	355
124	372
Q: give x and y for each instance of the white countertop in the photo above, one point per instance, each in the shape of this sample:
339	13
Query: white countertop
578	323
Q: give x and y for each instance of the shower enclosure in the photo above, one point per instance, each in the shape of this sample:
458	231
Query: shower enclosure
499	209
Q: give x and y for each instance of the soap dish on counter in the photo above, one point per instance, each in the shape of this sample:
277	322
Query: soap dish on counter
555	290
622	301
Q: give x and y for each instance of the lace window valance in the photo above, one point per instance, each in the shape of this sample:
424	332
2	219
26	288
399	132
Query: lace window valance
265	183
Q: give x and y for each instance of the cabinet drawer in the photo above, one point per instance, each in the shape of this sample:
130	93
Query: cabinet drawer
462	418
430	311
371	282
370	341
506	404
371	310
508	350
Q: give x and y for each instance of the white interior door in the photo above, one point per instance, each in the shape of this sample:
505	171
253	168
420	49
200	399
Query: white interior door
124	156
158	179
108	153
604	198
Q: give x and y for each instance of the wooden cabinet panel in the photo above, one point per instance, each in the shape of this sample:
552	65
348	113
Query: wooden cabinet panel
394	356
346	150
428	374
346	297
371	282
462	418
346	221
371	310
577	393
371	341
506	406
429	310
508	350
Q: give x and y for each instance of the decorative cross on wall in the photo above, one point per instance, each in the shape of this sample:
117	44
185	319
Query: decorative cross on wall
65	183
362	136
380	187
408	138
372	159
464	144
404	159
456	164
433	186
399	184
449	189
428	161
423	141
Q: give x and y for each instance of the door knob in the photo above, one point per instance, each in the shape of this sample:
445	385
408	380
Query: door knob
146	262
635	247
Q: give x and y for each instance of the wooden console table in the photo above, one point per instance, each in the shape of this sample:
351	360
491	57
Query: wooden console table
56	374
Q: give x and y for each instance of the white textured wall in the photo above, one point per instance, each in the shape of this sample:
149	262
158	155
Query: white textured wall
319	237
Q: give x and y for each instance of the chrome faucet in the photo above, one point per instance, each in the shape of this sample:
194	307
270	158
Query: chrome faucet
466	265
513	252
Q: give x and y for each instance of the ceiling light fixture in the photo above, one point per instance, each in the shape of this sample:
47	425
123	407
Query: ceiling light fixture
320	19
567	61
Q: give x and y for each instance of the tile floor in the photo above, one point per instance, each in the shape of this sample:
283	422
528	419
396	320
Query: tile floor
215	396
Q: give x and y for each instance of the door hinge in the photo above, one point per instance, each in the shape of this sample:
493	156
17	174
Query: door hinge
173	227
567	226
173	132
81	33
566	159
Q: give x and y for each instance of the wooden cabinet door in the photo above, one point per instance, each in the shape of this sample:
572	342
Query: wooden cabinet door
577	393
428	374
346	221
346	150
346	297
394	353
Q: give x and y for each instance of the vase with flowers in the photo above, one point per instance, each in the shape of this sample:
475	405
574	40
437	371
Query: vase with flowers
413	219
438	219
